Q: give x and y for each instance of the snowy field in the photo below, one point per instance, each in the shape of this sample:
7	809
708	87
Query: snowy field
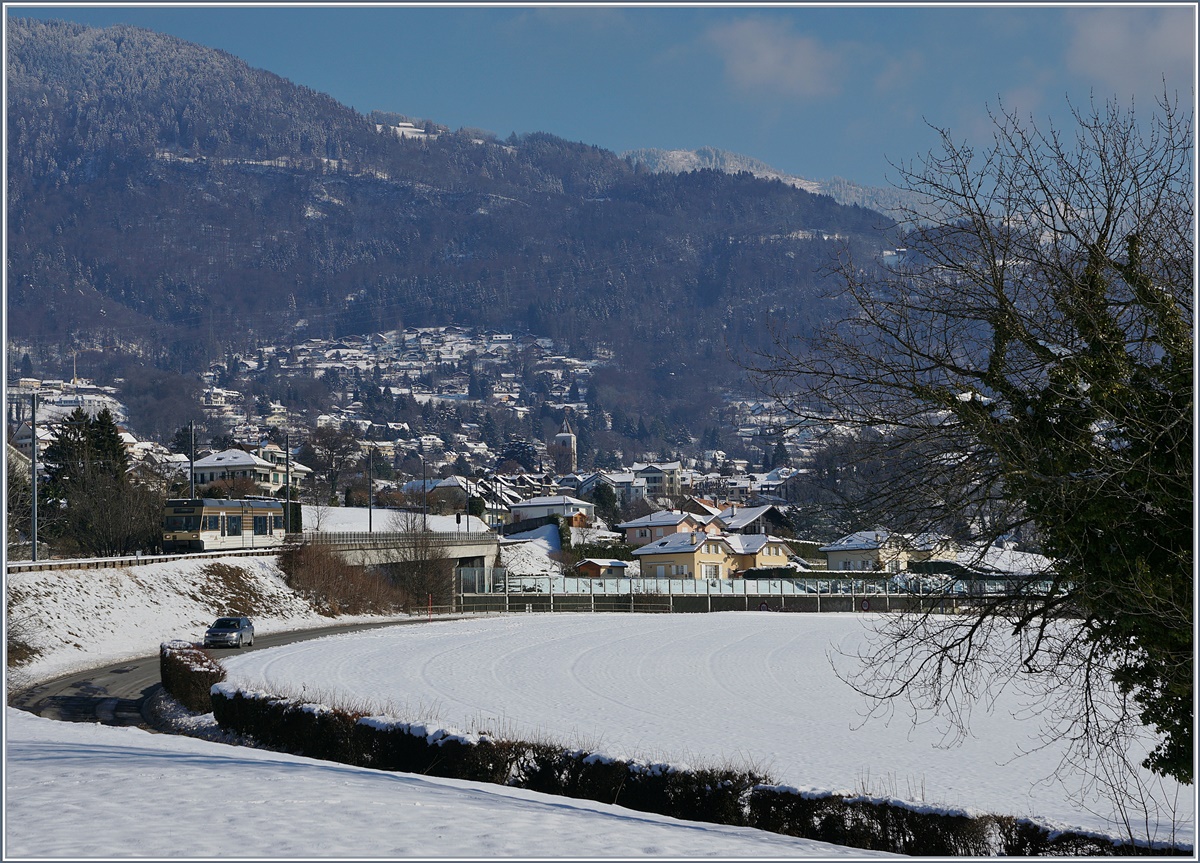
740	689
77	791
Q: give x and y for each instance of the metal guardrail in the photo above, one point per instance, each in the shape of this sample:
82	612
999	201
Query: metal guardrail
13	567
379	539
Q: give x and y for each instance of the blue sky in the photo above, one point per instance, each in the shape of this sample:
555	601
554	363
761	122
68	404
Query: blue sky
817	91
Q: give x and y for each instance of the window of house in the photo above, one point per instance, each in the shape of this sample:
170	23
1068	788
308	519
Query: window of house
711	570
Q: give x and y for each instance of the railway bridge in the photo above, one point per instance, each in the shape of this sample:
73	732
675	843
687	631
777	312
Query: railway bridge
478	549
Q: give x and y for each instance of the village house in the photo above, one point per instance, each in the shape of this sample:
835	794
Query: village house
283	468
757	551
753	519
657	525
601	568
875	550
230	465
696	554
685	554
626	486
267	468
575	512
662	479
932	547
880	550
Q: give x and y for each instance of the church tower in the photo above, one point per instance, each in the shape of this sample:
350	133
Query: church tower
566	439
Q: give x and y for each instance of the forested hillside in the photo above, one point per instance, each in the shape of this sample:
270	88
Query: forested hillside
170	202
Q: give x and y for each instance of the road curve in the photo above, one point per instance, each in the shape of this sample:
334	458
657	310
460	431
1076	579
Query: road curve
116	695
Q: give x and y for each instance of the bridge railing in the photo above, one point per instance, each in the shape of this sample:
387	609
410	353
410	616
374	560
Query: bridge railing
392	539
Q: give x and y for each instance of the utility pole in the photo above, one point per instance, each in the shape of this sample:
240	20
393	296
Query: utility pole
33	474
192	460
370	489
287	482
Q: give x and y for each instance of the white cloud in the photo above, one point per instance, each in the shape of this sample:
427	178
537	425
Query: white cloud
763	58
1130	51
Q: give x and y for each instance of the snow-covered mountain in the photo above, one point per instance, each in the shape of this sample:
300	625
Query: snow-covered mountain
841	190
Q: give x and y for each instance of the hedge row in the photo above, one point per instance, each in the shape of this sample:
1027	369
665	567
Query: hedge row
188	673
723	796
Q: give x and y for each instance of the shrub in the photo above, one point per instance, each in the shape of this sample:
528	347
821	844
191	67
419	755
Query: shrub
737	797
333	586
188	674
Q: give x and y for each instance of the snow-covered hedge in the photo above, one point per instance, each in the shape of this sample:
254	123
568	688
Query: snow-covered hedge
729	796
188	673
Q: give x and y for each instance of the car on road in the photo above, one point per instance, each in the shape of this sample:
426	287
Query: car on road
230	632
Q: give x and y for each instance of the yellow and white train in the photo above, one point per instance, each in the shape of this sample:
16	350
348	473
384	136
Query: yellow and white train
208	524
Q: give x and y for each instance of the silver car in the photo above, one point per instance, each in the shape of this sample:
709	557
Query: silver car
230	632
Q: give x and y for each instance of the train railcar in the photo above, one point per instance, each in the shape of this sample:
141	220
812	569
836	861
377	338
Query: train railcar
207	524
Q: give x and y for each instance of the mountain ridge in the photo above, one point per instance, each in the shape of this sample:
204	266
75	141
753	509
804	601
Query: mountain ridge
848	192
169	203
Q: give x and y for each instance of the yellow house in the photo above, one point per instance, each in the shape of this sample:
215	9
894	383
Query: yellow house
879	550
868	551
695	554
757	551
932	546
688	554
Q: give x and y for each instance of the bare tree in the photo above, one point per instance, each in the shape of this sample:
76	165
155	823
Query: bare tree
330	451
19	502
1024	362
423	569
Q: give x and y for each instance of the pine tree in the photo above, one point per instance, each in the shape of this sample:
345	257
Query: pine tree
108	451
68	458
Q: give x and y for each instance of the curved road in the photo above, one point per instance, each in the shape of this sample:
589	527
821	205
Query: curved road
116	695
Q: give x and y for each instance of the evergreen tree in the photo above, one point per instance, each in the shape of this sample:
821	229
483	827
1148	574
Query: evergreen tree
98	512
521	451
108	451
607	507
68	458
462	467
489	432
